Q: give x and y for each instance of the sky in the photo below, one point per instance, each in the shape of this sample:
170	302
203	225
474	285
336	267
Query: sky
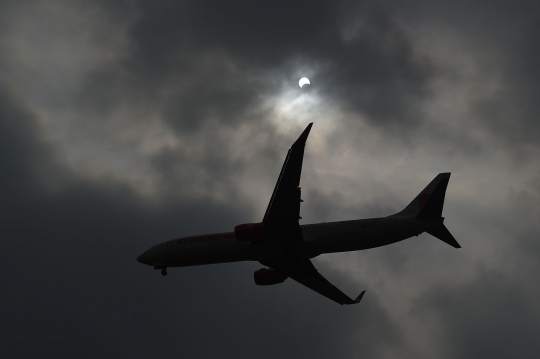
127	123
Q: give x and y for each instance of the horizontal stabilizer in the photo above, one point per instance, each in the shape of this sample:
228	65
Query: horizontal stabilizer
444	235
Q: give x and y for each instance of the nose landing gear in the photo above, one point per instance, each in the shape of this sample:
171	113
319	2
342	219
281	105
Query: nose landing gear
163	269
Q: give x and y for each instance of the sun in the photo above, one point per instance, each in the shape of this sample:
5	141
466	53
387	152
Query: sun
303	81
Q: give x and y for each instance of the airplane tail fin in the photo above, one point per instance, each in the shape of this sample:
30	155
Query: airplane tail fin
429	203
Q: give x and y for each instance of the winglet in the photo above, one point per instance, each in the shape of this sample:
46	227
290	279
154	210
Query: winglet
359	298
303	137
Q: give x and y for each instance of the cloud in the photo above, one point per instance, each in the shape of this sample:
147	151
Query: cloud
488	316
123	124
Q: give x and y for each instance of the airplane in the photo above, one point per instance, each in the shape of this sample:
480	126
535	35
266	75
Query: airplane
285	247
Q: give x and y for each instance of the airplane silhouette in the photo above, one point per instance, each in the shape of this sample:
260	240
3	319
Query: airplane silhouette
280	243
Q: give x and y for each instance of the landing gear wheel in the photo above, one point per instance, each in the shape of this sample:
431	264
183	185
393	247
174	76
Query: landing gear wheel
163	272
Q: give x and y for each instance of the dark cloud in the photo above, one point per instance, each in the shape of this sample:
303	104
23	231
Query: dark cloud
74	288
487	317
207	61
499	40
264	34
123	124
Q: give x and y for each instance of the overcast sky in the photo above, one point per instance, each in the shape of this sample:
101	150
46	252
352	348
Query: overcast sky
128	123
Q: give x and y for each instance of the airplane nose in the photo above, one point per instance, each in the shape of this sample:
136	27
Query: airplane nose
143	258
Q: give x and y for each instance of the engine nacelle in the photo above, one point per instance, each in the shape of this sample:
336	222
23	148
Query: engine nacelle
249	232
268	276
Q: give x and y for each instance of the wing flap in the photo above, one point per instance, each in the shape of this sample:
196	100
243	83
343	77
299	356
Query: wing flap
305	273
315	281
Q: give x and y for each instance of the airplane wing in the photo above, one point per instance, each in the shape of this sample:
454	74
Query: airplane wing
304	272
281	224
283	212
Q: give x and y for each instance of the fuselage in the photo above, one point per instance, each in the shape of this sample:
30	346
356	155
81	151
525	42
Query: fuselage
318	238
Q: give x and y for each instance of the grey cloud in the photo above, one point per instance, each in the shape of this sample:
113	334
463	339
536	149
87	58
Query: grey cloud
203	61
500	40
72	288
321	206
199	74
487	317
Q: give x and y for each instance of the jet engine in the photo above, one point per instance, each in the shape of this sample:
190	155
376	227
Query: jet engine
249	232
268	276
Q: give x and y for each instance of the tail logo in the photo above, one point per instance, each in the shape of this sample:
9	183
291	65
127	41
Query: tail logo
422	199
